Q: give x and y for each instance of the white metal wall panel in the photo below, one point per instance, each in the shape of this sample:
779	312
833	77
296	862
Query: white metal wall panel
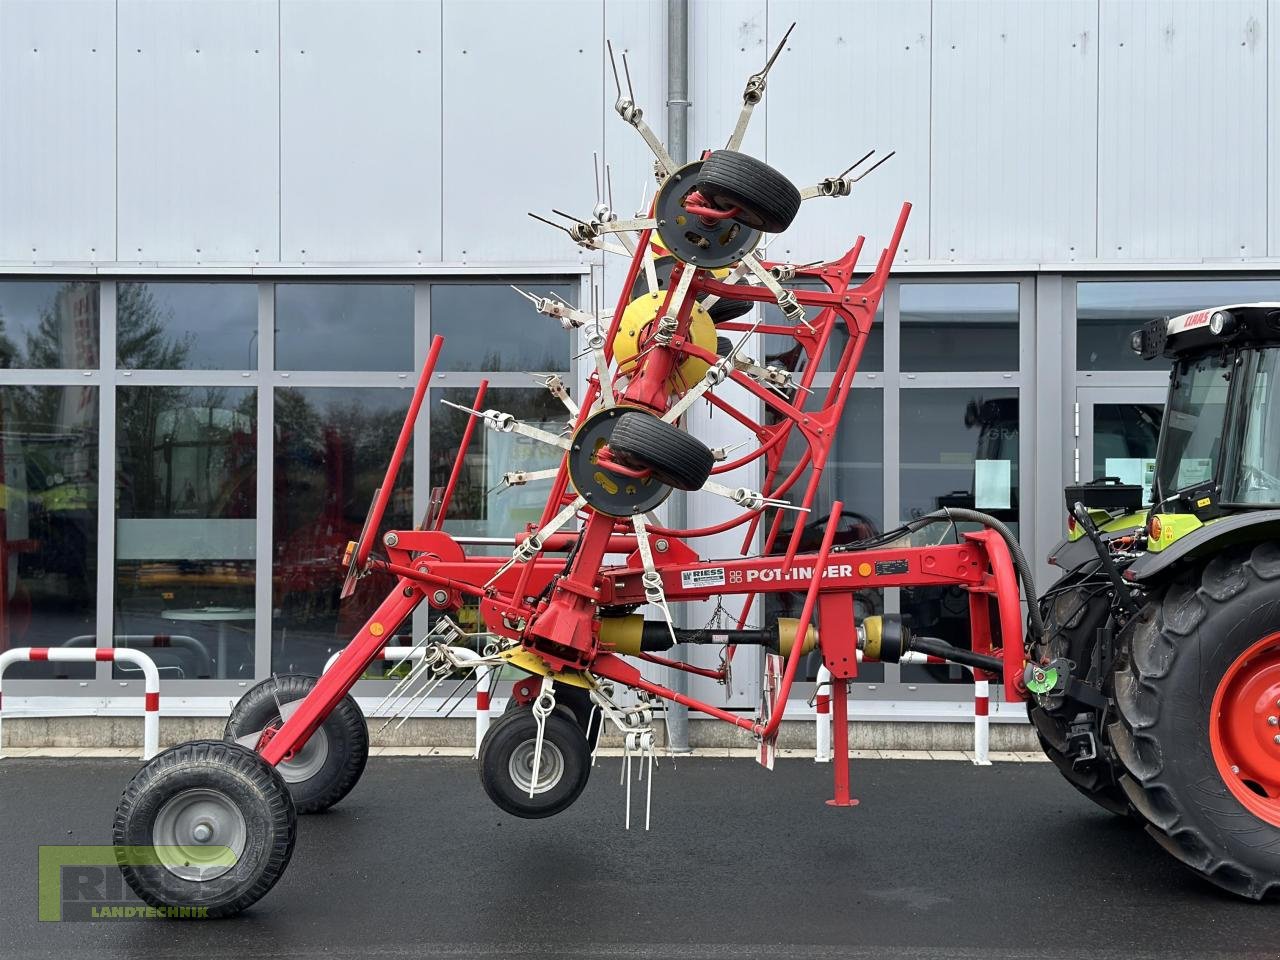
57	131
522	114
197	143
639	29
729	40
360	131
1014	130
856	77
1183	130
1273	131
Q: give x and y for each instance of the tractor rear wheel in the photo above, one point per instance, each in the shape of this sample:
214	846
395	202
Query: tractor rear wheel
1198	697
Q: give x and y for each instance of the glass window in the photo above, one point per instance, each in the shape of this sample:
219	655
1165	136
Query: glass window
490	327
482	505
332	448
959	326
1125	436
344	326
47	324
1195	422
786	353
187	326
186	476
959	448
48	523
854	475
1252	466
1108	311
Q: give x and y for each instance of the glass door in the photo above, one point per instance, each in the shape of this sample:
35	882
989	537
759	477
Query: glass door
1116	433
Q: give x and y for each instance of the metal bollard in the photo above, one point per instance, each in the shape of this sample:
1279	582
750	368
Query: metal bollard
822	717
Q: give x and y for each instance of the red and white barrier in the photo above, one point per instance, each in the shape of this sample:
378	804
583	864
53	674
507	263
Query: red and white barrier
484	688
981	711
151	680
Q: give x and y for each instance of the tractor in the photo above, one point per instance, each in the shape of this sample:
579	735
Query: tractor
1155	687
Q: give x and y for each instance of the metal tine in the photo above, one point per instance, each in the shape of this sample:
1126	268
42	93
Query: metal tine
613	61
626	69
458	406
466	693
454	692
531	297
552	293
608	186
859	163
400	685
429	637
568	216
403	698
550	223
872	168
777	50
595	166
420	697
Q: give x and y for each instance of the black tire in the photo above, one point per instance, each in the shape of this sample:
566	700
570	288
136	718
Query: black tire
1175	655
722	311
577	702
232	778
1072	618
766	199
676	458
564	769
315	781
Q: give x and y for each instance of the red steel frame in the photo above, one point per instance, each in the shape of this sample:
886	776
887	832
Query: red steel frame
563	628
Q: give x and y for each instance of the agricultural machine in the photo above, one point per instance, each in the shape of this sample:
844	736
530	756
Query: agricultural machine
584	601
1156	685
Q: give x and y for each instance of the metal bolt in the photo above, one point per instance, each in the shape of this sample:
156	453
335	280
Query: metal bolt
1277	738
440	597
1273	721
391	539
660	545
202	833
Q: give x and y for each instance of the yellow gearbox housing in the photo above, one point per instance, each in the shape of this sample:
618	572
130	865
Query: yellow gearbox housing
641	312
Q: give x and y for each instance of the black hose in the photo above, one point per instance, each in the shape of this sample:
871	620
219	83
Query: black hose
952	514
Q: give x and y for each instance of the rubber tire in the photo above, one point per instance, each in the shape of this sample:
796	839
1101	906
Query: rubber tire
258	791
767	200
1071	631
1174	658
676	458
577	702
345	727
722	311
511	730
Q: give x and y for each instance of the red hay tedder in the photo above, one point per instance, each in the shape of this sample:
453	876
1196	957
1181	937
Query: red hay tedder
220	815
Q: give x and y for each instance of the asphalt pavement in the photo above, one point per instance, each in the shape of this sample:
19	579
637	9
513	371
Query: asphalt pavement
940	860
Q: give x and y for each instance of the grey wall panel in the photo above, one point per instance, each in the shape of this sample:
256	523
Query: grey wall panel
728	41
1014	130
360	131
57	130
641	30
1183	130
522	114
856	77
198	130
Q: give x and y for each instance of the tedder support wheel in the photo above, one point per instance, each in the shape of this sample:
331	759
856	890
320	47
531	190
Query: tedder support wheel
329	764
1198	697
1077	610
207	825
765	198
675	458
506	763
574	700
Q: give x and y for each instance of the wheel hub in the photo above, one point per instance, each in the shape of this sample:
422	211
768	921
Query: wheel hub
1244	729
204	833
607	491
550	769
705	242
308	761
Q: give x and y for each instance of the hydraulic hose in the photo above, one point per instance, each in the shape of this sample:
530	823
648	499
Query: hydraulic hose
950	514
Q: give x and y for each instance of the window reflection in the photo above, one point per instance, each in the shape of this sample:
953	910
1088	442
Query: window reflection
48	522
344	326
959	326
491	327
1108	311
332	448
855	476
49	325
959	448
186	493
786	353
187	326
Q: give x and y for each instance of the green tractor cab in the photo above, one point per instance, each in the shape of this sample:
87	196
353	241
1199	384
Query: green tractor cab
1156	685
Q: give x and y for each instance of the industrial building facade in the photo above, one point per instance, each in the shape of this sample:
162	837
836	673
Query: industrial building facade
229	230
